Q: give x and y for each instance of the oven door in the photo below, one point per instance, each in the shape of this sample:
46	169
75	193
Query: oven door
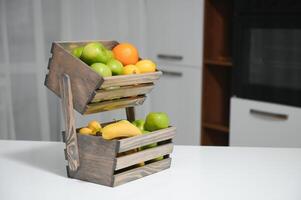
267	58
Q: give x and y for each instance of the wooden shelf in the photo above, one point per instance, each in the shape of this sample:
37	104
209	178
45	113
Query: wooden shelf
217	127
220	62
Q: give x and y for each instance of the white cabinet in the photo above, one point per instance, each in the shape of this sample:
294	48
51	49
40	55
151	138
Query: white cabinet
260	124
178	94
174	31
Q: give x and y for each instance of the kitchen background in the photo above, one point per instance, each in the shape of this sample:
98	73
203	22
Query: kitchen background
231	68
28	111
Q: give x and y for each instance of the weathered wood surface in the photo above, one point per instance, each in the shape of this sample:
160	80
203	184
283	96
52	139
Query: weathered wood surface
148	154
97	158
140	172
126	91
84	81
131	79
69	45
114	104
145	139
72	153
130	114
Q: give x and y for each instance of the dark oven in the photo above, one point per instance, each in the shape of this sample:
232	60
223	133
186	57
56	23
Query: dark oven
267	51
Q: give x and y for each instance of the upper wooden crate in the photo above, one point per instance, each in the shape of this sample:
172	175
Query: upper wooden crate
91	92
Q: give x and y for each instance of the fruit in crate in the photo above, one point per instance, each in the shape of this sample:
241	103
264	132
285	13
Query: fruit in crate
86	131
139	123
77	52
131	69
110	55
126	53
156	121
94	126
146	66
116	67
102	69
120	129
94	52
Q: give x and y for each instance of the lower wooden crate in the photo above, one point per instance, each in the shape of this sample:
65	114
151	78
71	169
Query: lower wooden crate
115	162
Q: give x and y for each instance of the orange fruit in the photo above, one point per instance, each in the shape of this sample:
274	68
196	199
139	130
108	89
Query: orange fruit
146	66
126	53
131	69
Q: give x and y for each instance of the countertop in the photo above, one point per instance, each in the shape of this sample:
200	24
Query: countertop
36	170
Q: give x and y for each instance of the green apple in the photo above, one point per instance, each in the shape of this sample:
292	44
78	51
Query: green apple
116	67
139	123
94	52
156	121
110	55
77	52
102	69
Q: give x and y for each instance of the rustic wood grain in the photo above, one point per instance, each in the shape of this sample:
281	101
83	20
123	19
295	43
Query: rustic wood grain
71	138
69	45
130	114
148	154
131	79
97	158
125	91
145	139
84	81
140	172
114	104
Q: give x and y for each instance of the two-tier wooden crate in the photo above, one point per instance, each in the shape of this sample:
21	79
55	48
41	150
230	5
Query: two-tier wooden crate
91	158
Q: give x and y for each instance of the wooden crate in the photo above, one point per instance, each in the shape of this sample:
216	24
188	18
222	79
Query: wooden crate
114	162
92	158
91	92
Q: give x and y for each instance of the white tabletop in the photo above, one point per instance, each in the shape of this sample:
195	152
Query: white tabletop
36	170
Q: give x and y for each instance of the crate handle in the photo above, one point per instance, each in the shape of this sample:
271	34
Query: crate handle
70	134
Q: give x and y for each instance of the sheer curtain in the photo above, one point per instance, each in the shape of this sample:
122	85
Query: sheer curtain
28	111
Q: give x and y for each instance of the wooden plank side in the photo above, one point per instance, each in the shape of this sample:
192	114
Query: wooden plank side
141	140
97	158
114	104
130	114
84	81
69	45
71	152
141	156
131	79
126	91
140	172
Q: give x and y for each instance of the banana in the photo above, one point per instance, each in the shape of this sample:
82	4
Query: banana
119	129
94	126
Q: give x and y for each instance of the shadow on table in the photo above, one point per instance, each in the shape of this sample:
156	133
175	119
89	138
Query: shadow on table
47	158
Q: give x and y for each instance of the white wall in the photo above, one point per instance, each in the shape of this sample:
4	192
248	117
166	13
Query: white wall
27	28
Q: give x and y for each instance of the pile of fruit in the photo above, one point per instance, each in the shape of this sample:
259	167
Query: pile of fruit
124	129
122	60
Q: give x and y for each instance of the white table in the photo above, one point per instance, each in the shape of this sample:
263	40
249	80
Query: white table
36	170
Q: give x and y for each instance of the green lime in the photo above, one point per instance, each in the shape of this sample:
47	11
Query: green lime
102	69
110	55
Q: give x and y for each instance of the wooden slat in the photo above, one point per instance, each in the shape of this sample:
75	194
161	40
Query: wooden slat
141	140
97	159
126	91
84	81
140	172
69	45
114	104
70	135
131	79
141	156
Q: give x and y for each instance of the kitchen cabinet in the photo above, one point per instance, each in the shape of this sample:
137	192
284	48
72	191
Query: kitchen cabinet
260	124
174	31
178	95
